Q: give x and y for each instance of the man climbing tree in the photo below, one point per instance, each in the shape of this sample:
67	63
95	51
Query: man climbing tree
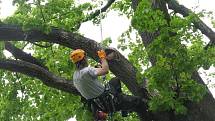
86	81
101	100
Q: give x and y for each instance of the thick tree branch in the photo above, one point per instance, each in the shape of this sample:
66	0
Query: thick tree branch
122	68
198	23
97	12
19	54
45	76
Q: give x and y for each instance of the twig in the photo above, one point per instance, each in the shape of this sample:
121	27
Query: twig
39	5
97	12
25	45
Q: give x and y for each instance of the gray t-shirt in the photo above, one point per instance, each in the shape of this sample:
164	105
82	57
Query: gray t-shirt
87	83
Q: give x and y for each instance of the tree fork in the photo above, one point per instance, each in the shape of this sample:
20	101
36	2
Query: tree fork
19	54
45	76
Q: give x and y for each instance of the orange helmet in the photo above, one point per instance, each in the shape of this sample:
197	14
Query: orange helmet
77	55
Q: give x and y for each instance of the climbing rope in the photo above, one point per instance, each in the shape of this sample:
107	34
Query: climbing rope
101	37
100	17
101	29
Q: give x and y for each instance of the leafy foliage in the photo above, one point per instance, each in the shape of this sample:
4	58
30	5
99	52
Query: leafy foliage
1	50
56	58
177	57
137	53
123	7
146	19
43	15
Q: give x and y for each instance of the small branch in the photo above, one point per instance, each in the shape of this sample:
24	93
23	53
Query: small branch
97	12
19	54
93	14
20	84
45	76
198	23
24	45
177	87
41	11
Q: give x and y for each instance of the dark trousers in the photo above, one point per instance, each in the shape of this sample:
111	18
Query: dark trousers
115	85
125	102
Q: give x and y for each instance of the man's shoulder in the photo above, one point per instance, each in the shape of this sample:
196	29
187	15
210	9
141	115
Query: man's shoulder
90	70
87	70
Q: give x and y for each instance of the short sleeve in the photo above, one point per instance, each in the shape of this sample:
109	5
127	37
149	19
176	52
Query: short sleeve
92	72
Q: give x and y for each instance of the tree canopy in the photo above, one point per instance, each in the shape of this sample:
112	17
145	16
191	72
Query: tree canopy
162	64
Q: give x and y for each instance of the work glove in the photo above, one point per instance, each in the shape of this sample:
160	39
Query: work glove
101	54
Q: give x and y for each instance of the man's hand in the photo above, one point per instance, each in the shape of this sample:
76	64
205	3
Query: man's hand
104	65
101	54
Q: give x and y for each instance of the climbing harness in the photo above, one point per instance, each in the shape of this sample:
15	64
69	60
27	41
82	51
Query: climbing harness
104	105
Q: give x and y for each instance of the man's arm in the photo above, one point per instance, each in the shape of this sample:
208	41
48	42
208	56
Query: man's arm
104	69
104	64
